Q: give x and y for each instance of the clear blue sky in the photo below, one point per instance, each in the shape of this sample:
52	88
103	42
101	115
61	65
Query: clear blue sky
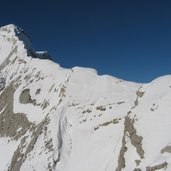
129	39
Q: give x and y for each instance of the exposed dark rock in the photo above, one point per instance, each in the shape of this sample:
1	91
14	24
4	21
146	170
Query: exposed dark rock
166	149
157	167
135	139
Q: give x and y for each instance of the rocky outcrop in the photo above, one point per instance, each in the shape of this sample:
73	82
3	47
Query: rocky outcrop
157	167
166	149
11	125
136	140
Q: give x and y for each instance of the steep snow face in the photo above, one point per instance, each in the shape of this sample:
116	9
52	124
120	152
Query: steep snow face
56	119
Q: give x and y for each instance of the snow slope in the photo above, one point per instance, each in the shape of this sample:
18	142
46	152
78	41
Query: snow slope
56	119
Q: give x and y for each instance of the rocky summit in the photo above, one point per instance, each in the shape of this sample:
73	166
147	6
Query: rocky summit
57	119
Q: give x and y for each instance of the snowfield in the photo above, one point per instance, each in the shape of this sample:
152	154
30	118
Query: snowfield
57	119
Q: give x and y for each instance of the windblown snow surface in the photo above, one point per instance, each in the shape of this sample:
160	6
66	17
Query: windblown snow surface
56	119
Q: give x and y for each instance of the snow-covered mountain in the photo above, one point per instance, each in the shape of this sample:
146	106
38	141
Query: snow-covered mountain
56	119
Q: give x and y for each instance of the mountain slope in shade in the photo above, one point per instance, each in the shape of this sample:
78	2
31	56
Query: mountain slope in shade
56	119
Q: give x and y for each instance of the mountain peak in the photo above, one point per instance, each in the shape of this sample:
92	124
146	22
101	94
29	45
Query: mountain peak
9	27
18	36
16	33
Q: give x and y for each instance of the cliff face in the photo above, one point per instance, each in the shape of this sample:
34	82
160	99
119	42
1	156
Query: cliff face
56	119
